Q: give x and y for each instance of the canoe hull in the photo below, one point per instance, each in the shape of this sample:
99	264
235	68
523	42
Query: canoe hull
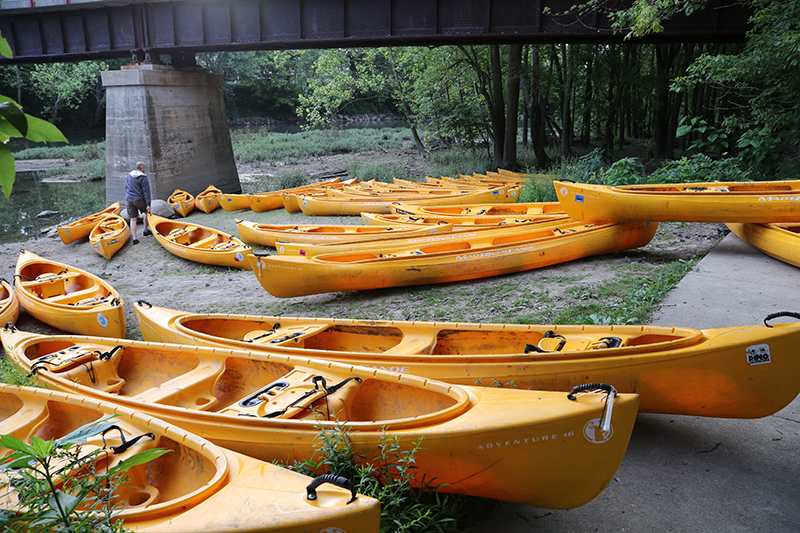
200	244
234	202
82	228
109	236
196	487
68	298
208	200
291	276
680	371
533	447
597	203
9	303
780	241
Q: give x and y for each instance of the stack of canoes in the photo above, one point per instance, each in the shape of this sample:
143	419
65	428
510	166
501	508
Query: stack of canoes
200	243
208	200
189	485
548	449
83	227
68	298
182	202
109	235
267	201
763	214
456	257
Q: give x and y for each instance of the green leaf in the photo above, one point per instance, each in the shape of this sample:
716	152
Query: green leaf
7	173
91	429
41	447
12	120
139	459
683	130
67	501
13	443
5	48
42	131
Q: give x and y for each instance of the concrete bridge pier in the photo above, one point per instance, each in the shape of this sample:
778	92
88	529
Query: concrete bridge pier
174	121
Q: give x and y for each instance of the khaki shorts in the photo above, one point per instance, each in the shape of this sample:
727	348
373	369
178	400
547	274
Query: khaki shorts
136	207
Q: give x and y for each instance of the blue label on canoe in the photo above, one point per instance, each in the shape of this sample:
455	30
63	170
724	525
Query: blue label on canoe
238	256
494	192
102	320
579	198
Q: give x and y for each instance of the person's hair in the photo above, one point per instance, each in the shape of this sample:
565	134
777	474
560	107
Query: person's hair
140	165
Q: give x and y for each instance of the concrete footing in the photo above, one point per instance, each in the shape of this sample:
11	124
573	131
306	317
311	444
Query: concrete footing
175	122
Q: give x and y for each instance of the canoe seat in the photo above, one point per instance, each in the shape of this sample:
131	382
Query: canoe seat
50	284
207	242
180	235
26	420
74	297
290	335
569	343
413	345
193	390
83	365
227	245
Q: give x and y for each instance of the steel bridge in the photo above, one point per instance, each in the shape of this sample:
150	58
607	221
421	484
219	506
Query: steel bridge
72	30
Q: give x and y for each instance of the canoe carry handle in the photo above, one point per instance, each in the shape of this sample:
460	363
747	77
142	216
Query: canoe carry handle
333	479
605	418
589	386
780	314
144	302
125	443
10	327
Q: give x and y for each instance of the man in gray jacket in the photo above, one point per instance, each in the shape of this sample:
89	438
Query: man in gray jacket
137	194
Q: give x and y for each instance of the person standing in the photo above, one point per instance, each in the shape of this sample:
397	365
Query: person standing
137	194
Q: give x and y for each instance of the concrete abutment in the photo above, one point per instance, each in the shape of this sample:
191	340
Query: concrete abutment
175	122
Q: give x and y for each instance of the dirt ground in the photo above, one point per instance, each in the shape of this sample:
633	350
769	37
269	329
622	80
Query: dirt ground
148	272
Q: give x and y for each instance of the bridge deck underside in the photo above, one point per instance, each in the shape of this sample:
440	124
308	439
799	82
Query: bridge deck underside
95	30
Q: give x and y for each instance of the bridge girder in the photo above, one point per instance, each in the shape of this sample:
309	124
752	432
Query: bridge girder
106	29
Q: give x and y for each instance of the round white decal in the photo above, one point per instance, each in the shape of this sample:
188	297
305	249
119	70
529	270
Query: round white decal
102	320
593	433
564	191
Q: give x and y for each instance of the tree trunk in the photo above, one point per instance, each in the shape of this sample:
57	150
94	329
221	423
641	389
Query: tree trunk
512	107
566	115
406	109
498	107
586	127
665	57
538	122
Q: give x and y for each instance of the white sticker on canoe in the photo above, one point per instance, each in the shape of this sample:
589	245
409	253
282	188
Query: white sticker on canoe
758	354
238	257
102	320
594	434
564	191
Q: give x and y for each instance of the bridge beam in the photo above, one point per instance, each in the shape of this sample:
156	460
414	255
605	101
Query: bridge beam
175	122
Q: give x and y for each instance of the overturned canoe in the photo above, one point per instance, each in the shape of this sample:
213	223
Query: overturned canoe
267	201
195	486
208	200
182	202
547	449
67	297
778	240
741	372
81	228
270	234
764	201
9	303
200	243
109	235
289	276
234	202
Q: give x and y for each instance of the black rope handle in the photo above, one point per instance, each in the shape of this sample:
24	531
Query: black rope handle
143	303
779	314
333	479
10	327
589	386
125	443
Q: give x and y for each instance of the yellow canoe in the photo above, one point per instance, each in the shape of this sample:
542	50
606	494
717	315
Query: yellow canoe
81	228
9	303
533	447
459	222
291	202
680	371
208	200
761	202
67	297
289	276
484	211
182	202
195	486
109	235
271	234
267	201
234	202
354	205
200	243
778	240
476	238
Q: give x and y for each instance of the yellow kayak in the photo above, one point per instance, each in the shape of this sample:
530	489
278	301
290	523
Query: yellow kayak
67	297
267	201
466	221
109	235
548	449
200	243
780	240
195	486
9	303
81	228
290	276
680	371
182	202
761	202
271	234
234	202
208	200
484	211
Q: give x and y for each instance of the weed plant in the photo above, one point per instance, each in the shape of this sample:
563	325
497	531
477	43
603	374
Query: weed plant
391	478
47	500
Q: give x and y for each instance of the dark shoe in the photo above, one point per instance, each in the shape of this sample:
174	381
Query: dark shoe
135	241
147	232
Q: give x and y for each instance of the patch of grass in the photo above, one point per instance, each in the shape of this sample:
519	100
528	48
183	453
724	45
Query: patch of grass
13	376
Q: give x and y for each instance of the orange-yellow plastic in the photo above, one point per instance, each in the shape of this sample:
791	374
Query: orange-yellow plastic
9	303
109	235
182	202
81	228
208	200
200	243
